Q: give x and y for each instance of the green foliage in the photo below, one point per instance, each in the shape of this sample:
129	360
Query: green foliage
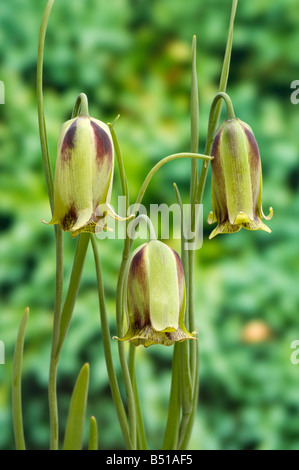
133	58
76	416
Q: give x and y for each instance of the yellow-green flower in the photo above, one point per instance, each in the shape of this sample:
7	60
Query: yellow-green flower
83	176
236	180
155	296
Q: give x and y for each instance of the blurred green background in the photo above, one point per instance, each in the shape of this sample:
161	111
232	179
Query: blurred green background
133	57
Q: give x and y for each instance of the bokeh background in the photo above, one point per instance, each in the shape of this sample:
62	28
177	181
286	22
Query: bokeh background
133	57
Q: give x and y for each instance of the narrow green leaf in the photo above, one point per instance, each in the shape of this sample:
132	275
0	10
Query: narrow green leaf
93	434
40	104
194	115
69	303
16	384
75	422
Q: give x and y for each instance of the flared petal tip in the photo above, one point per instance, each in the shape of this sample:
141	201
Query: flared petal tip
53	221
242	221
269	216
147	336
225	227
211	218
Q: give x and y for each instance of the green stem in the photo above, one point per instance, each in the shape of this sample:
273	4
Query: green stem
150	227
119	301
107	351
53	408
52	389
121	345
194	113
16	384
186	426
184	253
58	232
216	110
62	319
158	165
120	163
188	364
229	104
171	433
81	106
183	364
141	437
194	148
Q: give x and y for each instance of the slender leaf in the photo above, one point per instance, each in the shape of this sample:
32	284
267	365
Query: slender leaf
16	384
73	288
93	434
75	422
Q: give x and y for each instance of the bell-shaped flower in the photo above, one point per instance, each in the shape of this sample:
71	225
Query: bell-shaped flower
236	180
83	176
155	296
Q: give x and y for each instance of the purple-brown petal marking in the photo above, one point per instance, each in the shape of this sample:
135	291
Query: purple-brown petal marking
103	143
69	219
68	142
137	267
215	144
254	150
138	274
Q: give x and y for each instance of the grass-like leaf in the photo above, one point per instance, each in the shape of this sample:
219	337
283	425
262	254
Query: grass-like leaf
75	422
93	434
16	384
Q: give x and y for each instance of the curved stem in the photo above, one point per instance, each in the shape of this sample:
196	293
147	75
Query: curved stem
158	165
147	220
81	106
107	350
128	380
228	102
120	162
214	116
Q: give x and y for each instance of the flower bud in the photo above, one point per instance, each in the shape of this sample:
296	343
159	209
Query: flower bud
236	180
83	176
155	296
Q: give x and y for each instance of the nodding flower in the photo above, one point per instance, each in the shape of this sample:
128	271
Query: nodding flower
155	296
83	176
236	180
